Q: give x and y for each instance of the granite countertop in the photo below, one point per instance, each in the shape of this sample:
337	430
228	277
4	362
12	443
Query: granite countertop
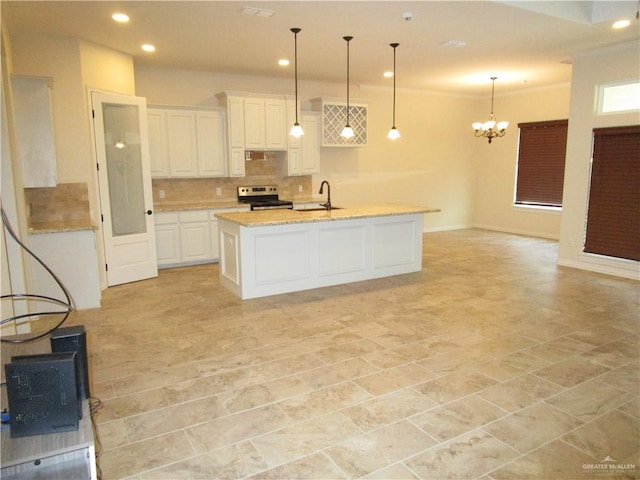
61	226
262	218
204	205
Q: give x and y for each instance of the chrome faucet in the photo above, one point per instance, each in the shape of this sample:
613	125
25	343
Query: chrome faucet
328	204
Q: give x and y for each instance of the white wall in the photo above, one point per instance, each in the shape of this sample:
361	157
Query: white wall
590	70
497	163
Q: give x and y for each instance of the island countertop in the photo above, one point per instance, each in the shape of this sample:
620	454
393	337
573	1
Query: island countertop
261	218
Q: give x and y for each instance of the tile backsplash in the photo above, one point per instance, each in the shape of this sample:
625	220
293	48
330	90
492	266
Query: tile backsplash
263	169
67	202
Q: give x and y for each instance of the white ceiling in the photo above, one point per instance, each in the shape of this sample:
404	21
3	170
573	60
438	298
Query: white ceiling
525	44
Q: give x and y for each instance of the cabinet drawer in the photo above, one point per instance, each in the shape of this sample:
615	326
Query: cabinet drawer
165	218
194	216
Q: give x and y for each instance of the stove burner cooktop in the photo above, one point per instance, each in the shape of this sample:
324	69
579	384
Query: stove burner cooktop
262	197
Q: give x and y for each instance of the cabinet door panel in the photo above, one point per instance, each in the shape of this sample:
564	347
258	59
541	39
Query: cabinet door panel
158	149
254	123
196	241
236	162
211	151
182	144
168	244
310	144
275	124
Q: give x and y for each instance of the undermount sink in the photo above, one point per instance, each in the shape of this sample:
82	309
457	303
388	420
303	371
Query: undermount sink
319	209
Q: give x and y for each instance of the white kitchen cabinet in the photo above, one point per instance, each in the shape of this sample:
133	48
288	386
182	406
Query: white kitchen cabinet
188	237
195	236
303	155
254	124
158	148
311	124
34	130
186	143
73	257
211	144
265	124
183	147
168	250
334	118
235	133
276	132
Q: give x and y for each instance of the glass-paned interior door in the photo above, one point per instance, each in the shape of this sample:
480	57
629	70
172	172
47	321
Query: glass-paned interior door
124	167
126	199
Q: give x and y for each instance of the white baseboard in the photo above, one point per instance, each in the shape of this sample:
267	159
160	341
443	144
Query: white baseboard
609	266
445	228
515	231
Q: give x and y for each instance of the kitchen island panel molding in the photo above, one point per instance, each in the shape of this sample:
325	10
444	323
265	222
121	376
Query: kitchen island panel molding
386	252
282	257
273	252
344	250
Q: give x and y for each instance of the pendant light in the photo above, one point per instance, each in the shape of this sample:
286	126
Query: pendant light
347	131
296	130
490	129
394	133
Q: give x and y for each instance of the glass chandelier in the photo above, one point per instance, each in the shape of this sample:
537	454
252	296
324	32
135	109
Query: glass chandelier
490	129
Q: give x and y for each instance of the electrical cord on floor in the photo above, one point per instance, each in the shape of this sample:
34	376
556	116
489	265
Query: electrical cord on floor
66	303
95	405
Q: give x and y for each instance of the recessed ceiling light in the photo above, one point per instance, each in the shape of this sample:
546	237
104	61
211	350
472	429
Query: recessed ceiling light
387	74
147	47
120	17
621	24
283	62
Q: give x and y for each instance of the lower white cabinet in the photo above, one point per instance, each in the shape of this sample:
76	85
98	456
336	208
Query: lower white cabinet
188	237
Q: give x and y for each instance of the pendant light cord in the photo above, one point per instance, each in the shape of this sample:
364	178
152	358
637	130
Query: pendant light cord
295	67
493	87
394	45
348	39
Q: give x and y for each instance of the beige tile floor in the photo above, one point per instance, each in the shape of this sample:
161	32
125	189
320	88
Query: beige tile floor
492	363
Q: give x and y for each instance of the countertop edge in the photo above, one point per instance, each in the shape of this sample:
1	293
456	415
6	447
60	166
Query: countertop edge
267	218
52	228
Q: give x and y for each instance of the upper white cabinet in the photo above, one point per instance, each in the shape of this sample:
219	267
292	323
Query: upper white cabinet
334	118
34	130
311	123
158	148
275	111
186	143
211	148
183	143
255	127
234	105
303	156
254	122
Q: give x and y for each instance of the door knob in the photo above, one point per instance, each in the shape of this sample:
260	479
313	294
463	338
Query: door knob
149	212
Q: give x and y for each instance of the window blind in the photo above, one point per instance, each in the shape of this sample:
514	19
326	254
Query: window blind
613	215
541	156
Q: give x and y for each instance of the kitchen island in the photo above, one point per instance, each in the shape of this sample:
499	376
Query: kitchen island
270	252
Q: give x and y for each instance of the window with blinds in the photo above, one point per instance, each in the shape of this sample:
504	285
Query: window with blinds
613	215
541	155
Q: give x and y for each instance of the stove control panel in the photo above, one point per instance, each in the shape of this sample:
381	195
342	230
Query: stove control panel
257	190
